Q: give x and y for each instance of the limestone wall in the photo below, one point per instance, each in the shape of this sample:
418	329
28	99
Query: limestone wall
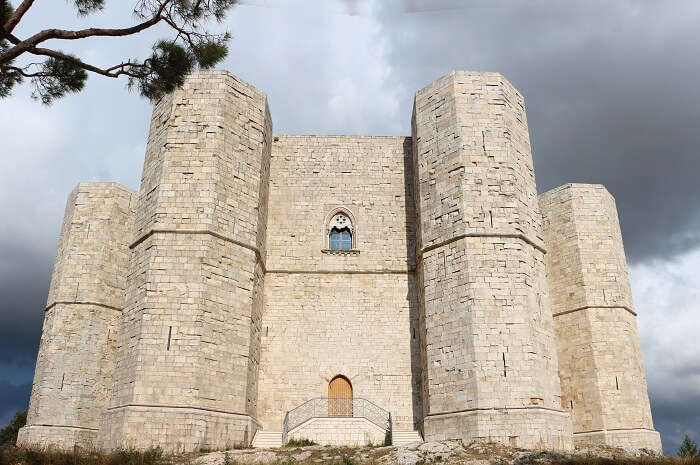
189	343
489	343
74	370
340	432
330	314
601	367
370	176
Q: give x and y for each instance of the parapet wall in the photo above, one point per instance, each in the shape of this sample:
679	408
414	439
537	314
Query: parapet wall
600	358
74	370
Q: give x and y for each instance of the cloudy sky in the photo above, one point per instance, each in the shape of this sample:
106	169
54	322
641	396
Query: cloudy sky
612	94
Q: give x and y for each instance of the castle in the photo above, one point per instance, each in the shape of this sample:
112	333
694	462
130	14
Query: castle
346	289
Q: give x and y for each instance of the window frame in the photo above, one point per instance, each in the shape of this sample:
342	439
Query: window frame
329	225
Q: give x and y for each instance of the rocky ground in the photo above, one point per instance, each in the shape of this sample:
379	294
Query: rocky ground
428	453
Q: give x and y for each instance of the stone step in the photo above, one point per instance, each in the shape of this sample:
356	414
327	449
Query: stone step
267	439
400	438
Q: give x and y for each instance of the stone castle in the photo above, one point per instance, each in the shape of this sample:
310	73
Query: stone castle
346	289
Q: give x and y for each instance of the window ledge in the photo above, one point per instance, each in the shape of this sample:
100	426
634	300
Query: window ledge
341	252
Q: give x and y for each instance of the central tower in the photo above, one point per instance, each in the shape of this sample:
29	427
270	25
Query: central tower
488	351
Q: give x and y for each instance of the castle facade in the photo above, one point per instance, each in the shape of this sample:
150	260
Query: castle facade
346	289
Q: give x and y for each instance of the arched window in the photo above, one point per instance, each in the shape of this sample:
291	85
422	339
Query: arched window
340	239
340	231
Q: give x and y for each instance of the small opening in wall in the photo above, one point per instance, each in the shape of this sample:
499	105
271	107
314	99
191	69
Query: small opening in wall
491	217
267	330
414	333
504	365
63	378
170	333
571	402
108	333
617	385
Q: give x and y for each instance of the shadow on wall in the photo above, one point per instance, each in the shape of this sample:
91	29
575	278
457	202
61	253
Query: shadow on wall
413	283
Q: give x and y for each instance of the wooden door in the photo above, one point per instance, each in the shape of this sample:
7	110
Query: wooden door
339	397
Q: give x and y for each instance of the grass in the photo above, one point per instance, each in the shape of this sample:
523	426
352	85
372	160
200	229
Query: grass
300	443
235	446
593	460
21	456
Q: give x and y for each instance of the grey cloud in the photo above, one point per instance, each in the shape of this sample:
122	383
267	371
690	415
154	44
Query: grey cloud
13	398
611	94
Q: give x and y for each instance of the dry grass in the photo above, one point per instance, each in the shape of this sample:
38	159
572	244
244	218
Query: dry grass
485	454
21	456
646	460
300	443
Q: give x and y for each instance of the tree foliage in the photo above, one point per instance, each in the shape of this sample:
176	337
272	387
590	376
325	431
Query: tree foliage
8	434
688	448
171	59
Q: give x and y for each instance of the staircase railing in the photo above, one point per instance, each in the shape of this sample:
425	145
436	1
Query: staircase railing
324	407
285	428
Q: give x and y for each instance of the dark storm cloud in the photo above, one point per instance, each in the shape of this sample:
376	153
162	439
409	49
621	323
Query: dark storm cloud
14	398
24	282
611	90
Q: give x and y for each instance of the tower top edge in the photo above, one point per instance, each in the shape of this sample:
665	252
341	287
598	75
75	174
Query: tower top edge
466	74
574	186
340	136
93	186
223	75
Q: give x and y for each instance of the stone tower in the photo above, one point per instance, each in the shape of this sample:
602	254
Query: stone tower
75	365
189	344
489	357
600	359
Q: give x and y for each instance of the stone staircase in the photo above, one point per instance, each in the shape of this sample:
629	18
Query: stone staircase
267	439
401	438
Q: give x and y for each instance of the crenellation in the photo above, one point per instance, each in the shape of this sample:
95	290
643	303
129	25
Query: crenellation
253	273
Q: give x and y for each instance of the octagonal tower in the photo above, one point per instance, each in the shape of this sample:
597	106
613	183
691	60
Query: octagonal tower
189	346
489	357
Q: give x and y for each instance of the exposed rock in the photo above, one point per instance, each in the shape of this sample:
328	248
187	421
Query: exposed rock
447	452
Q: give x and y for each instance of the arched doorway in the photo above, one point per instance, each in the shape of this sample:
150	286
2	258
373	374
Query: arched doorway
340	397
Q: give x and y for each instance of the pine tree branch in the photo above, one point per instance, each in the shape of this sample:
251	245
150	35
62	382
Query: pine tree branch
112	72
23	72
63	34
17	15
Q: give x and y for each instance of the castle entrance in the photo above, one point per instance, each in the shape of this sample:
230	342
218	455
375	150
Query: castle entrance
340	397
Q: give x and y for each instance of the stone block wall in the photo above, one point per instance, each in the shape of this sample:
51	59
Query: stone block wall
488	334
600	359
361	326
356	432
74	371
189	344
340	314
368	175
